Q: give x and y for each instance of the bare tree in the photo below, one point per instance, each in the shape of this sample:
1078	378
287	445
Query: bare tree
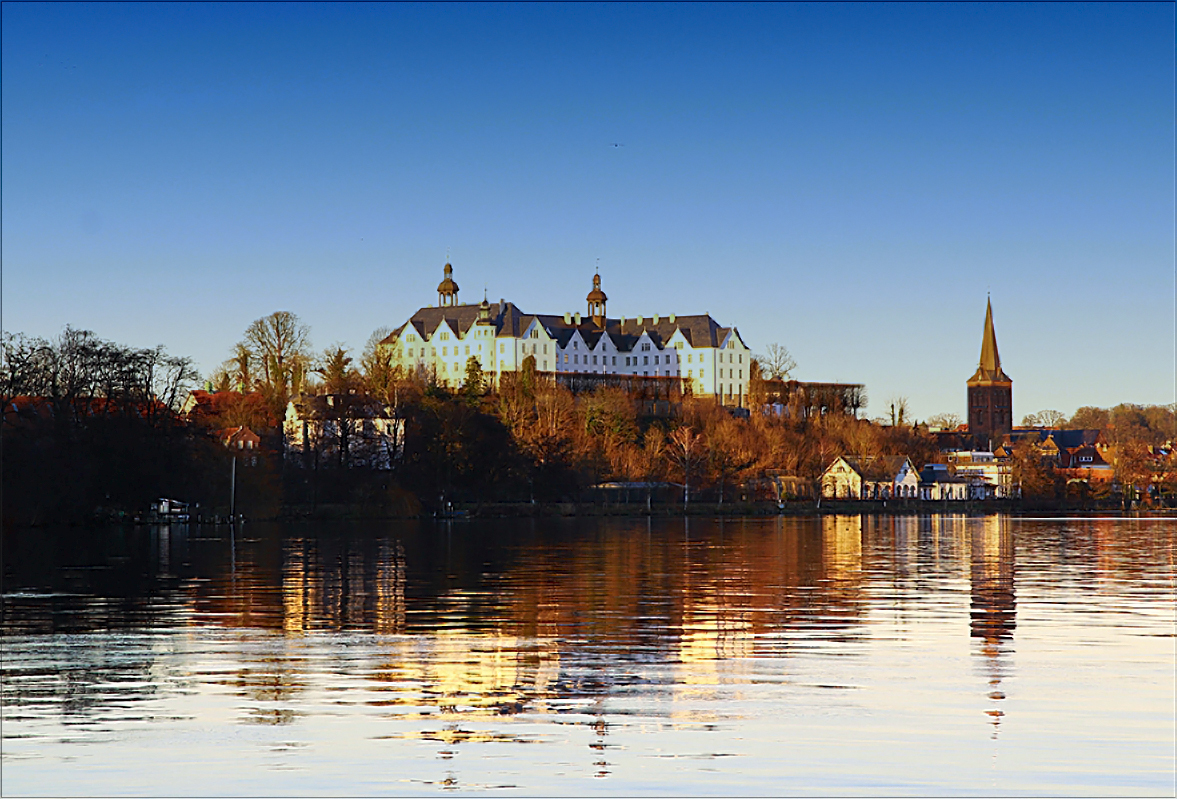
239	368
651	459
684	448
280	346
22	366
1045	418
945	421
898	408
776	363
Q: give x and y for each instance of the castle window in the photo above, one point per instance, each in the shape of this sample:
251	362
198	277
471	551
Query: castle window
502	348
690	358
594	359
445	350
645	360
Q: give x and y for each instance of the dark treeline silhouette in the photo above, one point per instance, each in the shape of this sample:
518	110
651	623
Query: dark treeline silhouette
90	426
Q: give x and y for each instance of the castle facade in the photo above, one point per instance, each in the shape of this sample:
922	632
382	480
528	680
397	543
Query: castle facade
710	359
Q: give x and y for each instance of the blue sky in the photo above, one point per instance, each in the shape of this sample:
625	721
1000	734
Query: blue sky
848	180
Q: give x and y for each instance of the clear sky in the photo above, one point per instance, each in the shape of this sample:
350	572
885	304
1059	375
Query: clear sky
847	180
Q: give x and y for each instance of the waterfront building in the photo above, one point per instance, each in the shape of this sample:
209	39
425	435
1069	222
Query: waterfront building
990	392
710	359
939	482
870	478
989	476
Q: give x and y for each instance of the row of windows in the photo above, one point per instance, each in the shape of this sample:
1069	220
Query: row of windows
630	360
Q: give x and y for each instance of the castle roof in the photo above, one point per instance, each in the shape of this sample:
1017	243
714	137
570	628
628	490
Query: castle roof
511	322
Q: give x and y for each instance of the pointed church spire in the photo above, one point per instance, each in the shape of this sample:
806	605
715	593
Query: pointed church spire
990	360
989	367
990	392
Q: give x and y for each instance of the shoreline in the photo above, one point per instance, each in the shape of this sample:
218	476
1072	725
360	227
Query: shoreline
567	510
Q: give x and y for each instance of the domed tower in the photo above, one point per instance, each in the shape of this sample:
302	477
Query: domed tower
447	289
991	392
596	302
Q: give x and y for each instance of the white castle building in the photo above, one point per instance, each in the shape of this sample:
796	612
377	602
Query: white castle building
712	360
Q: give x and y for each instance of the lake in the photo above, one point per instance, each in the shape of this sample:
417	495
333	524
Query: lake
837	655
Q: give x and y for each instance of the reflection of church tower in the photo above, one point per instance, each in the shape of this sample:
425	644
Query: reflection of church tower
447	289
990	392
994	605
596	303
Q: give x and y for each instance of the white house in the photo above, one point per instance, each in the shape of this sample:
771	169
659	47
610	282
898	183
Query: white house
939	482
344	430
713	360
989	476
886	477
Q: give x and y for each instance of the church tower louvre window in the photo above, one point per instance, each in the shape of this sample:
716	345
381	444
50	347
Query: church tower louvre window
990	392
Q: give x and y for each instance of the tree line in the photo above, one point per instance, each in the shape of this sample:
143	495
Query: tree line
105	434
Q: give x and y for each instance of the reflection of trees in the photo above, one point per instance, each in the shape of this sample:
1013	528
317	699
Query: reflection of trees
338	584
489	620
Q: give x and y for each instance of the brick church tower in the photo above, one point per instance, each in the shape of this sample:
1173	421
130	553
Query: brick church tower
991	393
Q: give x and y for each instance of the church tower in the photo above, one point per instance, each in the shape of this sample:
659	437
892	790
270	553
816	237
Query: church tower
596	302
991	392
447	289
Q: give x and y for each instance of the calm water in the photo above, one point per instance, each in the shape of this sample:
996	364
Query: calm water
842	655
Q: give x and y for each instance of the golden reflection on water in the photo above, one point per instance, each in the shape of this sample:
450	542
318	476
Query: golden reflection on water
500	635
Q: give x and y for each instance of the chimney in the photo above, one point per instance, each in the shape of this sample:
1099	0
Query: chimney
623	321
672	319
568	317
578	318
639	320
656	317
